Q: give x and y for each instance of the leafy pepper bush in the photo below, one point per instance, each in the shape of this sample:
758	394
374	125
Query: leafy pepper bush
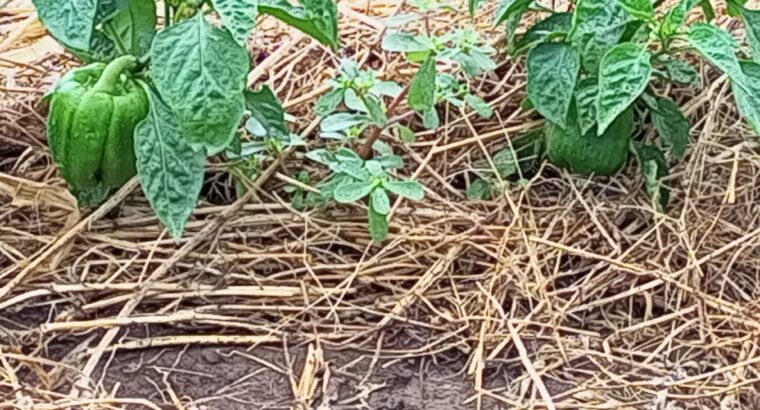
158	102
596	70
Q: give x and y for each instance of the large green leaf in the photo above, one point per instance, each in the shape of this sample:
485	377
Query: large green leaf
624	73
752	23
718	47
672	126
70	21
509	7
200	71
675	17
133	27
238	16
598	25
748	97
641	9
681	72
171	173
317	18
422	90
585	98
552	72
555	23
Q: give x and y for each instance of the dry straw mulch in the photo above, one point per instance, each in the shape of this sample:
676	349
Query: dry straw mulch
578	286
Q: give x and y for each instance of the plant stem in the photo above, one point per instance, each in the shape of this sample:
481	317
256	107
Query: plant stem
108	28
167	14
110	77
366	149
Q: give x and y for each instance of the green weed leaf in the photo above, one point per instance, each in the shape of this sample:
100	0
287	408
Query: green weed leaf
352	191
552	73
408	189
378	224
422	90
267	110
328	102
481	107
430	119
238	16
406	134
375	111
200	71
171	173
406	43
623	75
342	121
479	190
380	201
672	126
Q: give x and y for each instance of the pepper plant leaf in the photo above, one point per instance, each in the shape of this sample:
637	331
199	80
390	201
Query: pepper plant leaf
718	47
748	97
640	9
71	22
681	72
200	71
317	18
752	23
170	171
238	16
133	27
585	98
507	8
672	126
675	17
624	73
552	73
555	23
597	26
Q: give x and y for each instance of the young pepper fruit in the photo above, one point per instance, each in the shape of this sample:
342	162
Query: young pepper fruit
93	114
